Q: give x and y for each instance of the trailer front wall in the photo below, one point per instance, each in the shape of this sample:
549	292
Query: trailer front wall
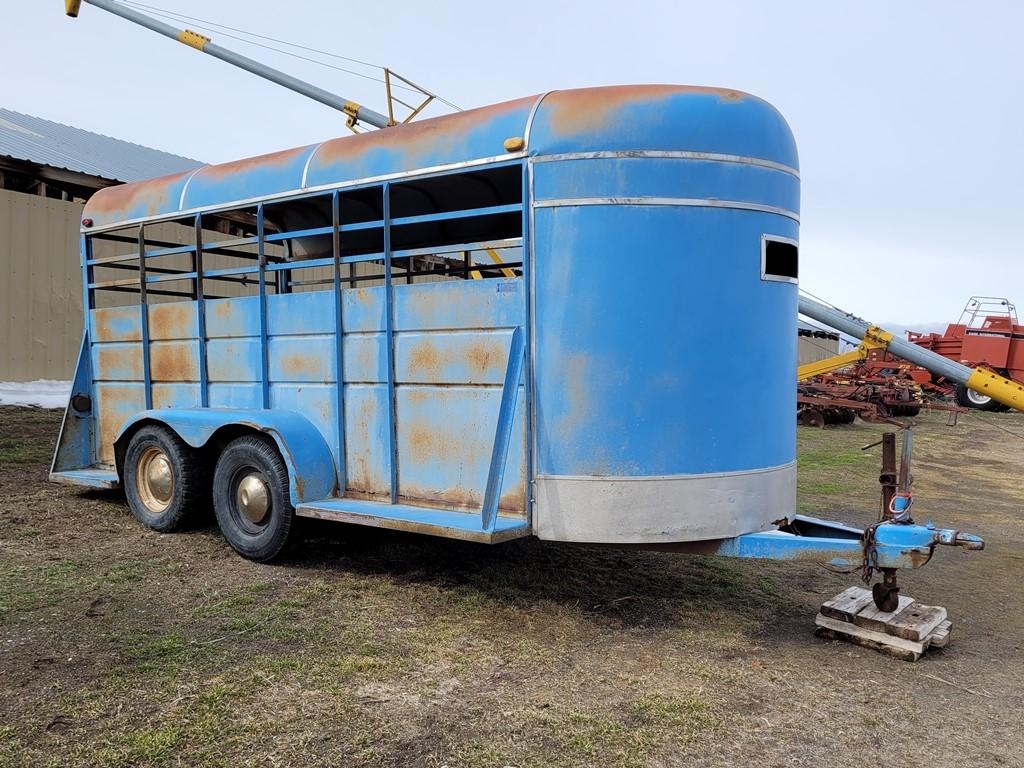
664	354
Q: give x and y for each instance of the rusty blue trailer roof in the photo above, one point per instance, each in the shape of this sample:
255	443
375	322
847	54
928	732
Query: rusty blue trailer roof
643	118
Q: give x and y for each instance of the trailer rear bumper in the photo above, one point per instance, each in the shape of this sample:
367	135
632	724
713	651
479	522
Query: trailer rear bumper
883	546
663	510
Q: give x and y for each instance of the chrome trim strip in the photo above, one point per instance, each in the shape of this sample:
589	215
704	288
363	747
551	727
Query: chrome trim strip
529	119
184	189
305	167
684	476
531	498
299	193
715	157
682	202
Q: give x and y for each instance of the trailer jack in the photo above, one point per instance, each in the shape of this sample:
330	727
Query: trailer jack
885	547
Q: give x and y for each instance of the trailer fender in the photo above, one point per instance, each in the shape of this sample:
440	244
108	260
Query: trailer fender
311	472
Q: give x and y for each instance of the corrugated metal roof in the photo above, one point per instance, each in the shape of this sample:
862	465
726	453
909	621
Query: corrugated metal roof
36	140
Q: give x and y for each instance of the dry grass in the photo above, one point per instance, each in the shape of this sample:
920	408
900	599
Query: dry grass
123	647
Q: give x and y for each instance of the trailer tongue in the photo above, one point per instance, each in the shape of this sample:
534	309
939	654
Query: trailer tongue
896	541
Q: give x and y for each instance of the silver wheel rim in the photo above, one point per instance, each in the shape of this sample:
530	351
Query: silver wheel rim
977	398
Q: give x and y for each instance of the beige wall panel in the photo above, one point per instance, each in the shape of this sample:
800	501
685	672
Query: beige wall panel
811	349
41	313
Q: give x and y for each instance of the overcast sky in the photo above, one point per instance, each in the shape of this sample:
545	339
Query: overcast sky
908	115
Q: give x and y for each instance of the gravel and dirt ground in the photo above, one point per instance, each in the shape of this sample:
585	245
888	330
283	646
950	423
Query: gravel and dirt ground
124	647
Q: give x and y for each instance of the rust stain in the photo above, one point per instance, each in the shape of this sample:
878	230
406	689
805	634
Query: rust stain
122	362
171	321
417	396
485	357
164	397
173	362
424	444
152	196
352	492
513	500
367	359
434	135
228	319
101	326
224	310
114	406
918	557
279	160
456	499
363	478
593	109
425	361
306	366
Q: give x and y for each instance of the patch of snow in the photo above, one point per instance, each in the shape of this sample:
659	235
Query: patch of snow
42	393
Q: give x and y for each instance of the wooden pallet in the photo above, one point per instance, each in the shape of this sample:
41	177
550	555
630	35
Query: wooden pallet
905	633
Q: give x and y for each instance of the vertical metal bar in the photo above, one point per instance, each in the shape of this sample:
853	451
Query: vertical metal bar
389	337
503	431
529	408
85	248
339	339
887	477
197	267
261	256
906	451
147	381
387	89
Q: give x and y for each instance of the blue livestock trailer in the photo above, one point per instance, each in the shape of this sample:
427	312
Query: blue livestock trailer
487	325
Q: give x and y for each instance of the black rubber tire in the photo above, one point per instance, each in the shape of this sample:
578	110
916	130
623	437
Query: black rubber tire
191	490
965	402
253	454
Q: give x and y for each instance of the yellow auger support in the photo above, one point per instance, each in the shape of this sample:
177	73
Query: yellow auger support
874	338
999	388
476	275
829	364
71	7
193	39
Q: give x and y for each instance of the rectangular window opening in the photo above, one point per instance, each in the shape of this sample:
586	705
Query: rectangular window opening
779	259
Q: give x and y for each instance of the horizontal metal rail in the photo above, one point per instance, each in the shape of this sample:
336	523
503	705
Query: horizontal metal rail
219	249
493	269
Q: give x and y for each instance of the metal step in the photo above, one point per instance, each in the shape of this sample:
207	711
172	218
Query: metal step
93	478
403	517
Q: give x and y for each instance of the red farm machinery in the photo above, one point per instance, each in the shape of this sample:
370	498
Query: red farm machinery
878	382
